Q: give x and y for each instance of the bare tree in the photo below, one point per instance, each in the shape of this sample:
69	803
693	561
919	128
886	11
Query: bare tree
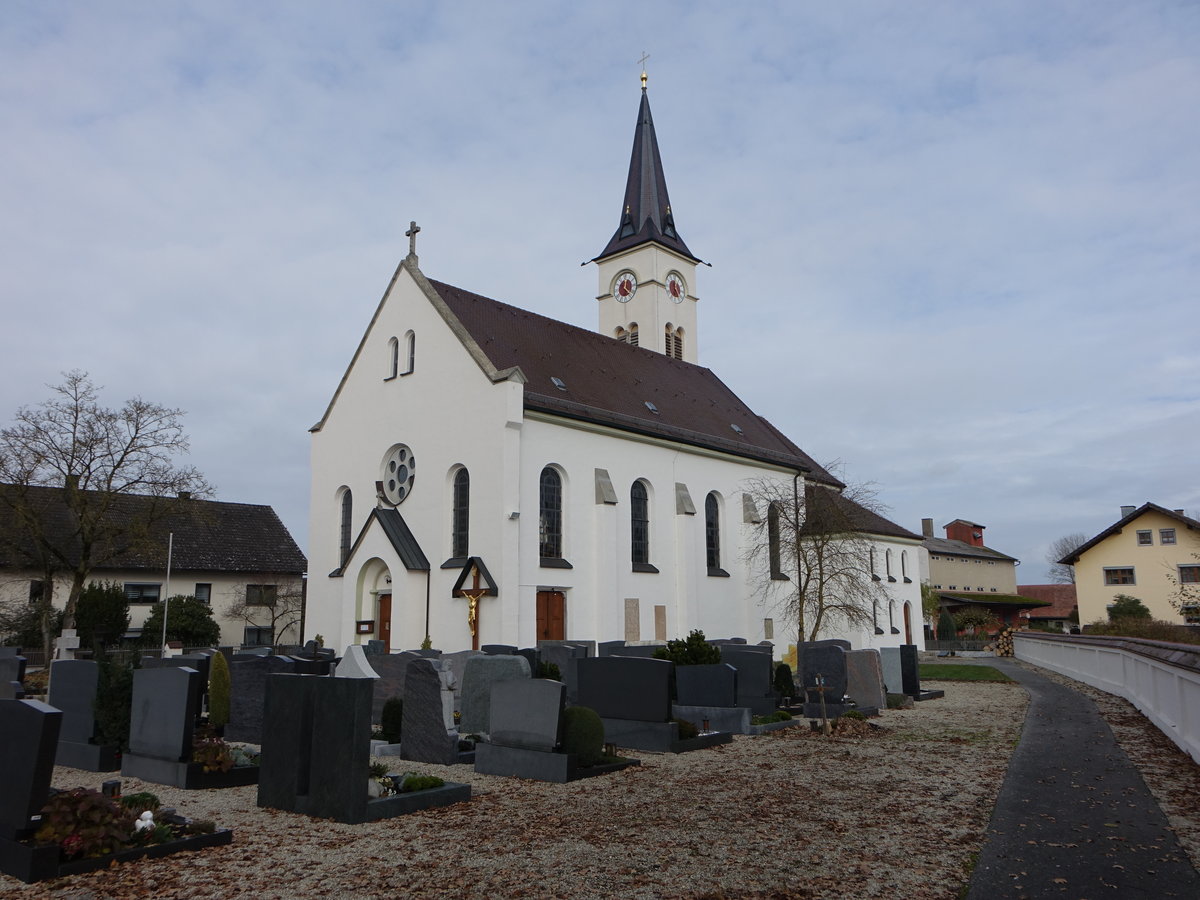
279	606
813	554
1060	573
65	466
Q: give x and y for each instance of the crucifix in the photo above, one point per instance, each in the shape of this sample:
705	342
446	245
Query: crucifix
411	234
473	595
642	63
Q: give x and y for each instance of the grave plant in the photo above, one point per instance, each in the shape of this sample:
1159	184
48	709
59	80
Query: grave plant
694	650
113	703
218	692
784	684
583	735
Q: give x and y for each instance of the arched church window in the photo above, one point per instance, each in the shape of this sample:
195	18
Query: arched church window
639	522
393	359
633	334
460	515
550	509
773	541
410	353
712	534
344	534
676	348
621	334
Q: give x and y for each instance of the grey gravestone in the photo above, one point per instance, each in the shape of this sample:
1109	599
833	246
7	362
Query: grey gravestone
302	665
480	675
527	713
354	664
458	664
892	670
499	649
754	683
12	668
626	687
910	672
605	648
9	651
828	660
375	647
248	695
391	668
642	651
73	685
12	690
200	662
864	678
30	730
426	654
714	684
427	725
533	656
163	714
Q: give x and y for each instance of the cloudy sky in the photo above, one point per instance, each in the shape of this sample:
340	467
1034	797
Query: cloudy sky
956	246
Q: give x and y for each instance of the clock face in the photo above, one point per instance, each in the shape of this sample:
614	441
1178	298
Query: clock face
625	287
676	289
399	468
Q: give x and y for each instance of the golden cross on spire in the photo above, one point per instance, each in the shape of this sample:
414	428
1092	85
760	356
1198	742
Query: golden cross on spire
642	63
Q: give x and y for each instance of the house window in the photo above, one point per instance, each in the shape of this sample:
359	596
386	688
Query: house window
37	590
142	593
1145	538
1166	535
460	515
344	532
639	524
712	535
1189	574
773	542
260	594
203	593
550	506
393	368
257	636
1119	576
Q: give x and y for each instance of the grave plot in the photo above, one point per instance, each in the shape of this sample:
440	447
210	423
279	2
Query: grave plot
73	684
43	837
12	674
533	735
315	754
428	732
632	696
164	744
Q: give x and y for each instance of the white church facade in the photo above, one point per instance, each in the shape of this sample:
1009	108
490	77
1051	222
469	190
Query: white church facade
576	484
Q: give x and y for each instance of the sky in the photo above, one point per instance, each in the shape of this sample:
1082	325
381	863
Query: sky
954	246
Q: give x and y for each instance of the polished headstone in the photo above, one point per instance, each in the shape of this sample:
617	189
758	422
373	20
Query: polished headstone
626	687
893	671
391	669
864	678
527	713
248	694
713	684
163	715
73	684
910	671
829	661
499	649
480	675
30	729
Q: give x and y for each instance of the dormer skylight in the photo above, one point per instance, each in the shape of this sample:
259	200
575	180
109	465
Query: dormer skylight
558	382
736	428
650	406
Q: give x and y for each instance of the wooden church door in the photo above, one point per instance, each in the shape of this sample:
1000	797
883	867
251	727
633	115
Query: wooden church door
550	618
384	622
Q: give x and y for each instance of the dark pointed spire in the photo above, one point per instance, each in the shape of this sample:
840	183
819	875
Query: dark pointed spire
646	212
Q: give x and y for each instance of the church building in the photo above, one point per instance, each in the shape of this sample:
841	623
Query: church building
486	475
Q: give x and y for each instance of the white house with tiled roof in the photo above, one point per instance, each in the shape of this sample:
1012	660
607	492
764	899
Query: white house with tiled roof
485	475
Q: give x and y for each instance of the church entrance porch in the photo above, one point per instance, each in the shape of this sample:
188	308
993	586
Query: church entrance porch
551	616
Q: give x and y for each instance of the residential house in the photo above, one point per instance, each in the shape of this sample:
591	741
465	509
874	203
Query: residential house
1062	613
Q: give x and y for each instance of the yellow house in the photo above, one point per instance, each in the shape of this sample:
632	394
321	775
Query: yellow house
1148	554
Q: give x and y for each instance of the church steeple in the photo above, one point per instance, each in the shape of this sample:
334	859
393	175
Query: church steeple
646	213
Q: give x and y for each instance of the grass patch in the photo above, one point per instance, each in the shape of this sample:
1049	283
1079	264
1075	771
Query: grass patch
958	672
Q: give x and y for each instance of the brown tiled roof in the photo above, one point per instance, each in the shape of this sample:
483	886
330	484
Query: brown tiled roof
1061	598
1008	601
210	535
829	509
610	383
948	547
1187	521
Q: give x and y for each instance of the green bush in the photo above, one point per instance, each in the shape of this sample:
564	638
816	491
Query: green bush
25	630
1127	607
946	629
687	730
113	703
189	621
693	651
391	719
413	782
377	770
218	691
549	670
583	735
102	615
853	714
1147	630
784	684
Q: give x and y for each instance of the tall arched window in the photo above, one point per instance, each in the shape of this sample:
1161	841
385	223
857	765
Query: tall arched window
904	566
639	524
773	541
712	534
673	343
633	334
550	507
460	515
410	352
887	561
344	531
393	368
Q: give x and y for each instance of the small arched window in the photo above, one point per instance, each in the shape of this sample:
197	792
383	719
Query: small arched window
621	334
633	334
887	562
904	564
773	541
410	353
639	524
344	533
460	515
712	534
674	346
550	509
393	367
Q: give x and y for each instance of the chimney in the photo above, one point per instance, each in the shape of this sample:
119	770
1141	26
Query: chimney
1179	512
1126	510
185	495
969	533
927	528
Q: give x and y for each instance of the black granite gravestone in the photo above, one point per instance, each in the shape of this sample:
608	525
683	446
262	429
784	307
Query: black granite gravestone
73	684
247	694
626	687
715	684
30	729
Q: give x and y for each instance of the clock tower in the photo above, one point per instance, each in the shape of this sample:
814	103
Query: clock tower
647	274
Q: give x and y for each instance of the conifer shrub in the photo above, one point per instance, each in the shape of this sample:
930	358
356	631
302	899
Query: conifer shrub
687	730
692	651
583	735
946	629
113	703
549	670
784	684
390	719
218	691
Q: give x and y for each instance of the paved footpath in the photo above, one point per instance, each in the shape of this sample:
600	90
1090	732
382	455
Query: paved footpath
1074	818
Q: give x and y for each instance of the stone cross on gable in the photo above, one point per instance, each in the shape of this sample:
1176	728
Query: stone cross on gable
411	234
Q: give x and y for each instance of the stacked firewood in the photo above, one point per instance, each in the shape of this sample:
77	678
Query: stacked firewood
1003	645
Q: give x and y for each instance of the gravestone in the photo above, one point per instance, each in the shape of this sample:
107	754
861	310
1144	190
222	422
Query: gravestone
533	656
163	714
307	665
458	666
427	727
248	695
12	668
714	684
198	661
499	649
643	650
566	656
354	664
30	730
391	669
480	675
893	671
527	713
755	685
66	644
605	648
828	660
864	679
375	647
626	687
73	684
12	690
910	672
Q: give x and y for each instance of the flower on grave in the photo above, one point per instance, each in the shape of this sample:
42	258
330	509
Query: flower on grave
145	821
72	845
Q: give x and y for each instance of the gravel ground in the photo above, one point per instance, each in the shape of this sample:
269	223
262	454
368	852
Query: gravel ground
899	810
